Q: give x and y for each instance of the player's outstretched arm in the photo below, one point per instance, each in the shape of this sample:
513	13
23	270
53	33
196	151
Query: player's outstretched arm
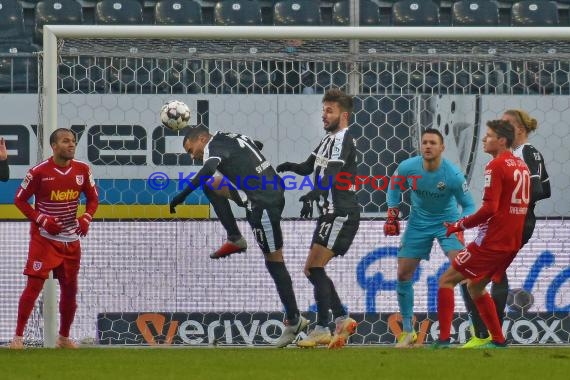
205	173
304	168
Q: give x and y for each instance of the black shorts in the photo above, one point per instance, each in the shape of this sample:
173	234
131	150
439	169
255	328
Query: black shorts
337	230
265	221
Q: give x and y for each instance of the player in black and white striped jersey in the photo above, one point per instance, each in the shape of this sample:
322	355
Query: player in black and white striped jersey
524	124
539	182
339	215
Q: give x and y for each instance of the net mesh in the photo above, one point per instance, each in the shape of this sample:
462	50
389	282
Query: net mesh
138	260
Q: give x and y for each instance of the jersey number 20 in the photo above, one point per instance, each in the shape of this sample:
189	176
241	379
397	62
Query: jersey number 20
522	186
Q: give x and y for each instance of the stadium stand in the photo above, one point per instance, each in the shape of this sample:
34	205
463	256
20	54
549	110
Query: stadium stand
293	12
11	20
369	13
118	12
534	13
177	12
237	12
63	12
415	13
475	13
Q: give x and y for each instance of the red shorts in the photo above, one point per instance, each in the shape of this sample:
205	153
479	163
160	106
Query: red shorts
46	255
478	264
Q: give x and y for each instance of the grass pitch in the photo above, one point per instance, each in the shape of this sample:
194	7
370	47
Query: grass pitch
269	363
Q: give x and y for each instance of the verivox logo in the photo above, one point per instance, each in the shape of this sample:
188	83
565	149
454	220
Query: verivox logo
158	323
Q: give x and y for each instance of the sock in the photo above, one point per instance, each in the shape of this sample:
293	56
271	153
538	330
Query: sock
405	291
282	279
476	321
27	300
488	313
499	292
445	307
322	292
336	305
67	306
224	212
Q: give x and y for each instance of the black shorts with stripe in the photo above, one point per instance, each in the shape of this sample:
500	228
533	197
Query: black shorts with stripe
337	230
265	222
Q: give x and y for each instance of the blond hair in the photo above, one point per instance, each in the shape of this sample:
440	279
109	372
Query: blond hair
529	123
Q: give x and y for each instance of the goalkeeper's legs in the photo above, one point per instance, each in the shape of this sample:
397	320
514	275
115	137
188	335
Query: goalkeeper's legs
405	292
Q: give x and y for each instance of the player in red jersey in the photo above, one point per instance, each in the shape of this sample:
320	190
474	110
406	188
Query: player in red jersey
501	220
56	184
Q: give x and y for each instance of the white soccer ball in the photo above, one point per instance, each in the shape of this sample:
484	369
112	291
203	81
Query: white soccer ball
175	115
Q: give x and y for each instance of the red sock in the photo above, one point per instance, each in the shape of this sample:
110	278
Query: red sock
27	300
445	307
67	307
488	313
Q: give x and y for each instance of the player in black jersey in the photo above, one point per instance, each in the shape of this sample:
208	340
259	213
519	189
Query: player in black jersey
339	215
4	168
242	167
539	189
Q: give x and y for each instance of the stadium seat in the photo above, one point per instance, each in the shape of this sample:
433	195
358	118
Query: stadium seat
18	66
11	20
237	12
415	13
177	12
369	13
475	13
118	12
297	12
534	13
63	12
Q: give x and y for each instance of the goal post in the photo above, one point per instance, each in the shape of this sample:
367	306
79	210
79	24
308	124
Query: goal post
404	79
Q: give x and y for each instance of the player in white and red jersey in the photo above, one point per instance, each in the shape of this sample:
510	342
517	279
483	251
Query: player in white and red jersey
501	220
56	185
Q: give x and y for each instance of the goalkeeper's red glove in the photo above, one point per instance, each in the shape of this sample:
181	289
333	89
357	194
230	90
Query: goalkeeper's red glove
454	227
392	225
50	224
83	223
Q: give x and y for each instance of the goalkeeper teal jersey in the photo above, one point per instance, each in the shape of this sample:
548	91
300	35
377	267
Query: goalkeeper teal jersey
435	194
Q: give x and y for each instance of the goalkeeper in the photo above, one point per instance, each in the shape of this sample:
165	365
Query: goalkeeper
339	216
437	187
236	157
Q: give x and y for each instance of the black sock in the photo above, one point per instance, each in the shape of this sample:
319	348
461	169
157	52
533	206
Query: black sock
499	293
282	279
336	305
322	291
224	211
478	324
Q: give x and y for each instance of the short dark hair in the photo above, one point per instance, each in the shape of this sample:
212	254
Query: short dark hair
503	129
55	134
195	132
344	101
433	131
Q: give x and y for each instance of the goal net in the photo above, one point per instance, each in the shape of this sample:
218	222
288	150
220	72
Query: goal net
146	275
